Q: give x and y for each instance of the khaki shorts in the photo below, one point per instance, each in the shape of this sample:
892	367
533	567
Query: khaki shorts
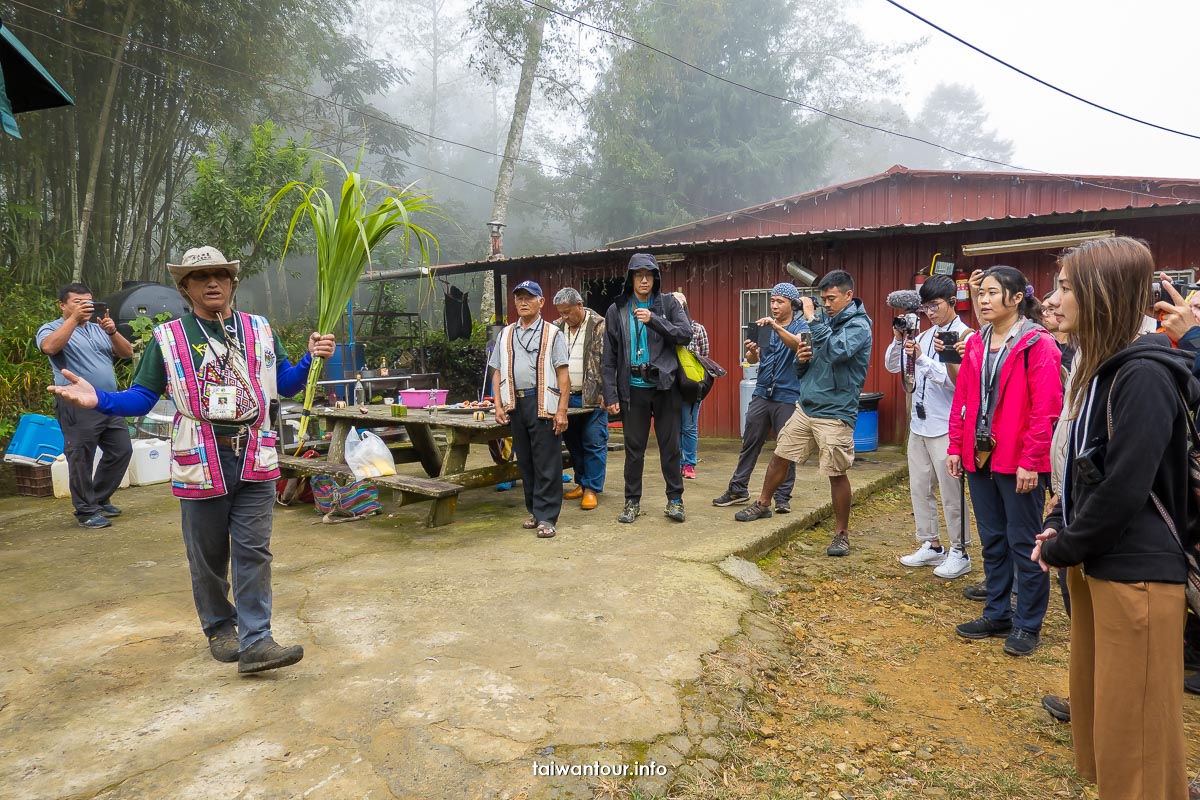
832	438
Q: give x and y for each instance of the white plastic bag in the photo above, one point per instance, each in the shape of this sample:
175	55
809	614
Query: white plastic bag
367	455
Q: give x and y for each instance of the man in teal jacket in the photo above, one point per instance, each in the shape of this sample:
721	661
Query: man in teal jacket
832	371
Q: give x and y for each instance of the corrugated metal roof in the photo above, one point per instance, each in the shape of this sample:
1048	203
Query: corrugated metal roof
506	264
1090	187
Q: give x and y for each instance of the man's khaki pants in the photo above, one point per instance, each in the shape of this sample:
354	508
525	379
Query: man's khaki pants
1127	687
927	472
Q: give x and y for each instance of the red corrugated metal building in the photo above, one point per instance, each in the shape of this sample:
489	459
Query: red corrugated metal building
883	230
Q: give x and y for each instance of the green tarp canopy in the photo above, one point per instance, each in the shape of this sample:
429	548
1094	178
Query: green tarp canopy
25	85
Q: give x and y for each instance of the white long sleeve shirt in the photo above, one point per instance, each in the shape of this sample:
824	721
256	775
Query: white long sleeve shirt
934	386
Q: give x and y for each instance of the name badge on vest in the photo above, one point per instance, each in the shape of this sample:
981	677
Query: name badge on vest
222	402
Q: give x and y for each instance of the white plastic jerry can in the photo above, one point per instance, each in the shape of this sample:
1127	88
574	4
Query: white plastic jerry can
151	462
60	477
60	474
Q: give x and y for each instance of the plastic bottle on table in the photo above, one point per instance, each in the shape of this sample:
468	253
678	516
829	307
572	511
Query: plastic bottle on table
360	391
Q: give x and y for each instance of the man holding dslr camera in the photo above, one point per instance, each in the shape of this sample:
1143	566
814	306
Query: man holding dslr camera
936	362
85	340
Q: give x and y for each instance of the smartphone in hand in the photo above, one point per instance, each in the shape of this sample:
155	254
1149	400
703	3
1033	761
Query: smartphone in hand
949	355
99	310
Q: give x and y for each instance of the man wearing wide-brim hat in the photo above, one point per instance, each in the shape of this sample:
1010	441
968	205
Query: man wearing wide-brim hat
223	369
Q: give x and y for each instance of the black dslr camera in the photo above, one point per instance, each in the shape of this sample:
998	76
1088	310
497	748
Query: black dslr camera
647	372
907	323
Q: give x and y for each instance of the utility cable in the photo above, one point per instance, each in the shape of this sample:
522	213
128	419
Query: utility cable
560	170
290	121
1036	79
832	115
330	101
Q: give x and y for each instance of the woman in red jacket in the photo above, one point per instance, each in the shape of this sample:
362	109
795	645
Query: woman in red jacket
1006	399
1124	496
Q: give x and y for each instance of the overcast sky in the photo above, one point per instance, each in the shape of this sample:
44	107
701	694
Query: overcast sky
1141	58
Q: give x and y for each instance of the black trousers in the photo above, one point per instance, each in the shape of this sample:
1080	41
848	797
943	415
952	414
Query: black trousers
663	406
83	430
762	417
539	457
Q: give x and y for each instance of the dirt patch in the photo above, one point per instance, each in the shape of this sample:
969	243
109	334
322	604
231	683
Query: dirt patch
852	684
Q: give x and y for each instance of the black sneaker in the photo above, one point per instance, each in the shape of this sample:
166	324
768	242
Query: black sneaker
755	510
840	546
632	511
675	510
731	499
96	521
783	507
976	592
109	510
1057	707
266	654
223	644
983	627
1192	685
1021	643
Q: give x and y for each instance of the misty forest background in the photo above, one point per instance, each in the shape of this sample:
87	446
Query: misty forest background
190	114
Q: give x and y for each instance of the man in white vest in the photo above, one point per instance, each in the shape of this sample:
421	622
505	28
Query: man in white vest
222	369
531	385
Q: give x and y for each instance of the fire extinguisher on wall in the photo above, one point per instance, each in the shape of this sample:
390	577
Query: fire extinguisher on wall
962	290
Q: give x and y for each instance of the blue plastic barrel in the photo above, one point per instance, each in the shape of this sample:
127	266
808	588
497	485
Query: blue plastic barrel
341	365
38	440
866	430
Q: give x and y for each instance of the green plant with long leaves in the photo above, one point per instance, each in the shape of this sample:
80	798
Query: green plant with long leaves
345	233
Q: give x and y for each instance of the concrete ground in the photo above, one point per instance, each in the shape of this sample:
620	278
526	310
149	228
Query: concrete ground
438	663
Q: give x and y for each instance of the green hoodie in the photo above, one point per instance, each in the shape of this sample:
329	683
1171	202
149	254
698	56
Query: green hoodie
831	382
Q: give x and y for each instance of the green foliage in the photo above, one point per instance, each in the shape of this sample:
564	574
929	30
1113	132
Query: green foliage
460	363
695	144
190	68
141	335
234	180
345	234
24	370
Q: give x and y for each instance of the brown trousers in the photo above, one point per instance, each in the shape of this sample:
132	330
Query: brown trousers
1126	686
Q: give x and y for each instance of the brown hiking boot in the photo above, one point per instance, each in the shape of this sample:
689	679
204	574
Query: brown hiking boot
266	654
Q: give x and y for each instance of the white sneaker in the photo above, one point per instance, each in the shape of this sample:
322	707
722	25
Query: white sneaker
925	556
956	564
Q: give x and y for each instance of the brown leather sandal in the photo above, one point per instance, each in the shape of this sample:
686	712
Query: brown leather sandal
530	523
546	531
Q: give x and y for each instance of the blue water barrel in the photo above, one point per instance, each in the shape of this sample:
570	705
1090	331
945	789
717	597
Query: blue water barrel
866	430
341	365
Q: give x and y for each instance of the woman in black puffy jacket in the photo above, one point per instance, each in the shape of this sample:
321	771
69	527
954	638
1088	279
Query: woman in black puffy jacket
1123	494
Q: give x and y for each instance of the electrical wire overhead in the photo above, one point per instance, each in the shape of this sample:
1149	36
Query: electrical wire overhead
1036	79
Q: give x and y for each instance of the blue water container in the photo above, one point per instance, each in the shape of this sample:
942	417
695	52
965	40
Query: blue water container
866	430
341	365
38	440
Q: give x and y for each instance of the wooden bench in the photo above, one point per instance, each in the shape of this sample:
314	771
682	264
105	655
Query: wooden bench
406	489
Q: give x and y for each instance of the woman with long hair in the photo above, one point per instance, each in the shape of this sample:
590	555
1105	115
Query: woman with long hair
1006	399
1125	490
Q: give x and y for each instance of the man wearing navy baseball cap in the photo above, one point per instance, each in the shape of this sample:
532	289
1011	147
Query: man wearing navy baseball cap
531	385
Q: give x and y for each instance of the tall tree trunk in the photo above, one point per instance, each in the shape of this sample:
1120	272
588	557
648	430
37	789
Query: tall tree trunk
535	30
435	56
89	196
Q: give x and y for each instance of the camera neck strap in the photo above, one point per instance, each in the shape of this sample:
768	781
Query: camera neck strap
989	372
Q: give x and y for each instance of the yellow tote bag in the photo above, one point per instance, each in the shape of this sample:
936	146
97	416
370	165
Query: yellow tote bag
690	364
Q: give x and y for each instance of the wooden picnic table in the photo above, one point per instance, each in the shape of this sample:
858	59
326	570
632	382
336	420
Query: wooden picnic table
445	466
